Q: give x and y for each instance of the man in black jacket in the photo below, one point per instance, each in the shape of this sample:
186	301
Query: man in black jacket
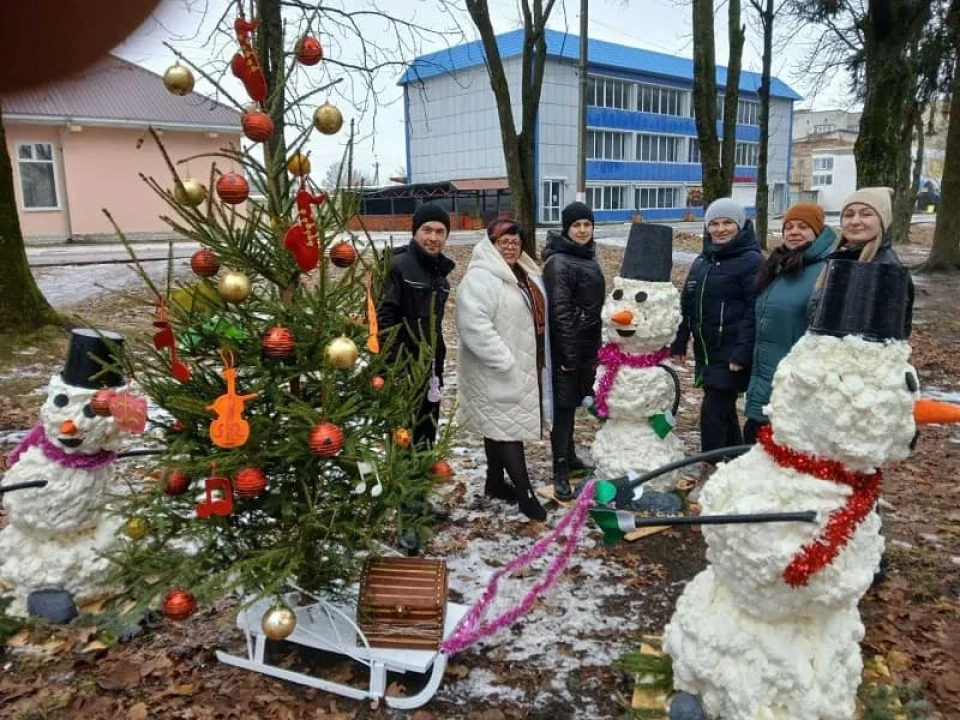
414	296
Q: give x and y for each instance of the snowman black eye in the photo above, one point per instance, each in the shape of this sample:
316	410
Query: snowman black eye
617	295
61	400
912	384
640	296
88	411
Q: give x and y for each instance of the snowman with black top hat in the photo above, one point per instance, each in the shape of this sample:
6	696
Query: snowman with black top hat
771	629
56	485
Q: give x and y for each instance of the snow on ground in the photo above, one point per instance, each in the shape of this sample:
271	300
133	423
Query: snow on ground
67	285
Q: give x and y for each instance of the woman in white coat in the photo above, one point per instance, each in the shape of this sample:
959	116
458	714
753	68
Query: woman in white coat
501	318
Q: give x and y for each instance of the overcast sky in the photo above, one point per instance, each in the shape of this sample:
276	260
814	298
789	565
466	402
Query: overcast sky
660	25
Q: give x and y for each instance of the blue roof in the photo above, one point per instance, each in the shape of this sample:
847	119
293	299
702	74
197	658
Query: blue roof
600	54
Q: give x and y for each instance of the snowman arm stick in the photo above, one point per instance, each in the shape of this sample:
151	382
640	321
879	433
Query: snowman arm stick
808	516
138	453
676	387
23	486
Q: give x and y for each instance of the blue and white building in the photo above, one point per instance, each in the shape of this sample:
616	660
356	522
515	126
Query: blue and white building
642	148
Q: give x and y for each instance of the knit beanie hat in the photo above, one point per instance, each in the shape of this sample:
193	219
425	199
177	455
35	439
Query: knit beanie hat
431	212
725	208
573	212
810	213
502	226
878	198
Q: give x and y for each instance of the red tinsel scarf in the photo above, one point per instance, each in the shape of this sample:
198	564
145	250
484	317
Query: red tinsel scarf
842	522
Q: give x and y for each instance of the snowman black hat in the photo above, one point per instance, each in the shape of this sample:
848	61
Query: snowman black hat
868	299
649	253
91	362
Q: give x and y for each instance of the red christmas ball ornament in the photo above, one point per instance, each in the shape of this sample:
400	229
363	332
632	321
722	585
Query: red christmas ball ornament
100	404
402	438
205	263
179	604
178	426
378	383
309	51
326	440
233	188
441	471
278	342
176	482
342	254
238	66
257	126
249	483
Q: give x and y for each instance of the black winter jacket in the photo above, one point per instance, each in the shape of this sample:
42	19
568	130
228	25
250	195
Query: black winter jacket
717	303
414	292
575	295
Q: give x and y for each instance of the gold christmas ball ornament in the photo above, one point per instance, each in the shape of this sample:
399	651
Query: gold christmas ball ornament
328	119
137	528
278	622
178	79
234	287
299	165
190	192
341	352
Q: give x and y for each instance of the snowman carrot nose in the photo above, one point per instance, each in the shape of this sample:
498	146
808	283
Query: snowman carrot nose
622	317
934	412
68	428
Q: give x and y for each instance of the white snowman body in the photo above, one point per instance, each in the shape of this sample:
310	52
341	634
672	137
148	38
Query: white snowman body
57	533
640	318
743	639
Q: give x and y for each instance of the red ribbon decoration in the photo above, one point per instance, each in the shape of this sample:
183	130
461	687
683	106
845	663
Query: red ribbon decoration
841	523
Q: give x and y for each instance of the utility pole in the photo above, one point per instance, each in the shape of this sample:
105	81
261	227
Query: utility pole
582	115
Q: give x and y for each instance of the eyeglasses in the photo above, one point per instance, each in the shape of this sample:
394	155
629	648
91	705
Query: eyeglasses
505	243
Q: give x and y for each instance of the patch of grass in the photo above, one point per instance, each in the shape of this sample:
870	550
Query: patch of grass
893	702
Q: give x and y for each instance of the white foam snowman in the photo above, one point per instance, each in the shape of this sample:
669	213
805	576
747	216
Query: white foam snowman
57	533
771	628
634	392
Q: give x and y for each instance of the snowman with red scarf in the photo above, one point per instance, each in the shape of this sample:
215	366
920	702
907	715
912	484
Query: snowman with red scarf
51	550
636	394
771	628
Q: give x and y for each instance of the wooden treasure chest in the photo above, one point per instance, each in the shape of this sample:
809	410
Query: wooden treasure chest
402	602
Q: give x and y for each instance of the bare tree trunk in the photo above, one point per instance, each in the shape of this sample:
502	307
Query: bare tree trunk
731	98
705	99
518	147
22	306
904	199
271	55
762	203
945	253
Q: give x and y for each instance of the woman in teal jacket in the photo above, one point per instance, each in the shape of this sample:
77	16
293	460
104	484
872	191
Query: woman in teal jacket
785	283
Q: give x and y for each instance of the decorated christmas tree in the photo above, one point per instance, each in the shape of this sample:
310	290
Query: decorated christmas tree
284	413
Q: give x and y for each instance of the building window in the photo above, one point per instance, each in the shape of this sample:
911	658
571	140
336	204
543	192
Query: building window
605	145
607	92
748	113
693	150
659	100
824	128
658	148
819	179
746	154
647	198
823	163
607	197
38	181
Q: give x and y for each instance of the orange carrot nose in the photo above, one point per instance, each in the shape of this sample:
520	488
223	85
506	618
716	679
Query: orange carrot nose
934	412
68	428
623	317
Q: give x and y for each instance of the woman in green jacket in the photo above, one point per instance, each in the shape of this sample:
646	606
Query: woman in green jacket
785	283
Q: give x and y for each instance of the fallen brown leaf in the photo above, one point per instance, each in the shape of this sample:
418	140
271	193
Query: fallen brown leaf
138	712
119	676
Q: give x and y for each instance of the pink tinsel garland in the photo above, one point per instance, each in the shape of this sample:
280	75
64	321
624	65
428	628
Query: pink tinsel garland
472	628
613	358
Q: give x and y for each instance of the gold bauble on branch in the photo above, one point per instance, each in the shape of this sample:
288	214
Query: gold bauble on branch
137	527
328	119
234	287
298	165
191	194
278	622
178	79
341	352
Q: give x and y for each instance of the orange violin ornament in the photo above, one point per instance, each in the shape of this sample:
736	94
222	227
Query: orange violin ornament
230	429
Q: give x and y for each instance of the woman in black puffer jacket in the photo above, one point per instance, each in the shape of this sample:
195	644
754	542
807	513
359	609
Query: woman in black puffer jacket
575	293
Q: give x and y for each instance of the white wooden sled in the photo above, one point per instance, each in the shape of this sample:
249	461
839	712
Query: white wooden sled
330	627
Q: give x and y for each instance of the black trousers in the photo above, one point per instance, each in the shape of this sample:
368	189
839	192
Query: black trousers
425	431
561	437
719	424
750	429
506	455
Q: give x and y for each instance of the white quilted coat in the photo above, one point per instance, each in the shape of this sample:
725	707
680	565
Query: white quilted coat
498	393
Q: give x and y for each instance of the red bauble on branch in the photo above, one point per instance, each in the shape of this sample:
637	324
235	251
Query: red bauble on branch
232	188
378	383
175	482
249	483
309	51
257	126
205	263
326	440
441	471
179	604
278	342
342	254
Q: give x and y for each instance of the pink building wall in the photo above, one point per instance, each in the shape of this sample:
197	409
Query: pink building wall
100	167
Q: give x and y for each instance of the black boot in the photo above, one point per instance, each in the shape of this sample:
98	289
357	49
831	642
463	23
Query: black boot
561	483
496	487
576	465
515	463
528	503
